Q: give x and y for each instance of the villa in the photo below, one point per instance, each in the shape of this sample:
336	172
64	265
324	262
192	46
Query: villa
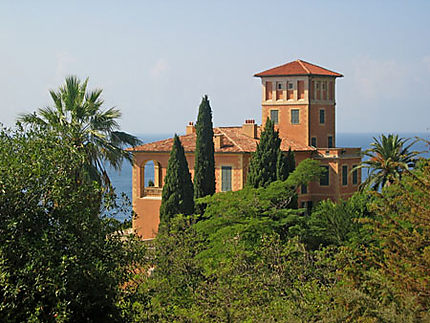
299	97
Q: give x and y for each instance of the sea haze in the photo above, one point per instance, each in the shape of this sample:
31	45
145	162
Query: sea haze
121	180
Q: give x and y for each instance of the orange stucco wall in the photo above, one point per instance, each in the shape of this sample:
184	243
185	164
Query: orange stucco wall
297	132
322	131
236	162
147	220
147	201
335	159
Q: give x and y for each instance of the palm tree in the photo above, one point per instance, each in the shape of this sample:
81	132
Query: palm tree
389	157
77	114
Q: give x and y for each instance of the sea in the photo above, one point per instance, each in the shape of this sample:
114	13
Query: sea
121	180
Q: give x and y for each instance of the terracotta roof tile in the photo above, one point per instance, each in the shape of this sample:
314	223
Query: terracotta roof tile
233	142
298	67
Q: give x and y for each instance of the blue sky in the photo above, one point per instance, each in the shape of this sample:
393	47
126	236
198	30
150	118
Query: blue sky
156	59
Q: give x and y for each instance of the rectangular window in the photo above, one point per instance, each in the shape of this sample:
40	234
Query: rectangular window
314	141
324	90
308	206
225	178
268	91
354	175
318	90
301	90
330	141
295	116
325	179
279	91
345	175
322	116
304	189
274	116
290	91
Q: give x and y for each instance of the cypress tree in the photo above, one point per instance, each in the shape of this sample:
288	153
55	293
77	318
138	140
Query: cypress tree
286	164
282	170
264	162
291	161
177	196
204	167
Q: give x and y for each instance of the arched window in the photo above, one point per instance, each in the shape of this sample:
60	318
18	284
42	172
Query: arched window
151	178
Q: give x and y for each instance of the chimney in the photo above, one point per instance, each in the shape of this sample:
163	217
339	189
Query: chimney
190	128
218	140
249	128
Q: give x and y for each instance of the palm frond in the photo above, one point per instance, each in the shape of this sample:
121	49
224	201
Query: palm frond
77	114
389	156
32	118
123	139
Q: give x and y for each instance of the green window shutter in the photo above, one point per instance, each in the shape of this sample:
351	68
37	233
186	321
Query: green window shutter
325	179
322	116
355	176
344	175
226	178
274	116
295	116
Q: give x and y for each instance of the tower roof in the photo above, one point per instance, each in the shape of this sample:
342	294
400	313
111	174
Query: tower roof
298	67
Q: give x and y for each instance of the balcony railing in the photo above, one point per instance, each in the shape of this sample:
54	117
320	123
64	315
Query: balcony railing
151	191
338	152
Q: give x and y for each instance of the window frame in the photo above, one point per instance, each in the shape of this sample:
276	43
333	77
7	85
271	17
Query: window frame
304	189
298	116
318	90
322	114
312	141
223	167
277	116
344	175
354	175
326	176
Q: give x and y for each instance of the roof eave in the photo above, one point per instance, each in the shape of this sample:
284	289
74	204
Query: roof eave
304	74
191	152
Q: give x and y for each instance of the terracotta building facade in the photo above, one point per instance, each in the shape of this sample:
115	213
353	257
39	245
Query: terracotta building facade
299	97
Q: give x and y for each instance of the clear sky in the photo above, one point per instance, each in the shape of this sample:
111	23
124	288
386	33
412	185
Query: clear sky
156	59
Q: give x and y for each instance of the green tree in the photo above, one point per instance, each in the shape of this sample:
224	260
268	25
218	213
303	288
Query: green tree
266	159
389	157
291	160
204	165
232	265
337	223
177	196
286	164
59	261
394	270
403	231
78	115
250	212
